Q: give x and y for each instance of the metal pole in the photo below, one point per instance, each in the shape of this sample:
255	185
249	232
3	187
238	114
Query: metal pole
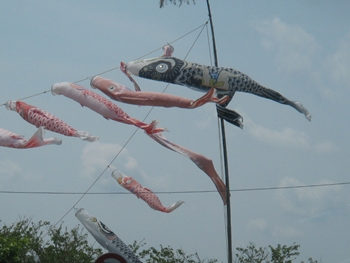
228	202
227	181
212	35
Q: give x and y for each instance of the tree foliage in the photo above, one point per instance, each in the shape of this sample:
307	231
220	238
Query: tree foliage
249	254
27	242
166	255
279	254
11	248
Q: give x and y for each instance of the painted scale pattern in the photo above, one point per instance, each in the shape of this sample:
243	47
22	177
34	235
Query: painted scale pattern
199	77
101	105
106	237
126	252
41	118
120	115
144	193
122	248
191	75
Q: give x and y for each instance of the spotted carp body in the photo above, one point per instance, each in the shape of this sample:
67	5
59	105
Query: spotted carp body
144	193
106	237
101	105
12	140
199	77
110	110
41	118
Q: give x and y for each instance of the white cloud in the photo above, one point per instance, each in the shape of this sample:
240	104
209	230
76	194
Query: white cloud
205	122
97	156
257	225
9	171
294	46
158	181
286	137
345	261
208	116
131	163
339	62
325	147
334	73
12	173
260	225
286	232
311	201
296	51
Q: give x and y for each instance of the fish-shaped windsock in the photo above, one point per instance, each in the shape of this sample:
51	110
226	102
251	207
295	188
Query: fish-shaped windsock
204	163
41	118
121	93
199	77
144	193
105	237
13	140
101	105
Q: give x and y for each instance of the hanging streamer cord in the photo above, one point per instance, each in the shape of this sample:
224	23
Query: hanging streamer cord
201	28
179	192
87	192
115	68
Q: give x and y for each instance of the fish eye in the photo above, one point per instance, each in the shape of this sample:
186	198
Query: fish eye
111	88
161	68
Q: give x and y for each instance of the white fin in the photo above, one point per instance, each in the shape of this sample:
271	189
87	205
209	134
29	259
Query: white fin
174	206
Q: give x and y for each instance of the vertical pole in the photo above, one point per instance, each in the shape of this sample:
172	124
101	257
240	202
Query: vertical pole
212	35
227	180
228	202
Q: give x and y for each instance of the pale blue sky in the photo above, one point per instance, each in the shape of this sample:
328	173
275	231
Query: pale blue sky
298	48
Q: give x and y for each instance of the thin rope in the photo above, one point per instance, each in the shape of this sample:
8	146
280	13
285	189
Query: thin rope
195	41
109	70
179	192
115	157
104	72
37	94
218	120
171	42
86	192
209	47
149	112
108	167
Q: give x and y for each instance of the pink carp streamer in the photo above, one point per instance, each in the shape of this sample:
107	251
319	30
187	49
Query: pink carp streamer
121	93
109	110
101	105
41	118
204	163
144	193
13	140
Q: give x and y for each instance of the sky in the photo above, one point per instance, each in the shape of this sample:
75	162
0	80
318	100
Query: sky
298	48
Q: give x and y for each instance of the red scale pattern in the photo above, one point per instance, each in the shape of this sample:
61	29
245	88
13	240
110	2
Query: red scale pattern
41	118
120	114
